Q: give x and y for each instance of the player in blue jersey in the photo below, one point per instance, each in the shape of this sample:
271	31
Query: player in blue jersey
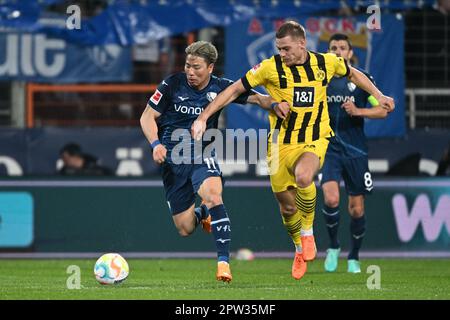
167	119
346	157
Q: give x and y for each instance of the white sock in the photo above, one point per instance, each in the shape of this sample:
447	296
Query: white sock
308	232
298	248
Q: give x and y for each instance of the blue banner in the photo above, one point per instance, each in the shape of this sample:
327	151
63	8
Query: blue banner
378	52
38	58
128	22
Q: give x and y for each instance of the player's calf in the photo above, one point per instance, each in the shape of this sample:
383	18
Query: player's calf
185	221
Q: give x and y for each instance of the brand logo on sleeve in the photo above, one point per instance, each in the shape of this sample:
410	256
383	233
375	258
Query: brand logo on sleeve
156	97
255	68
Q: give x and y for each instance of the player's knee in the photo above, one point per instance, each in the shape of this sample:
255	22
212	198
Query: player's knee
287	210
356	211
213	199
304	179
332	200
184	231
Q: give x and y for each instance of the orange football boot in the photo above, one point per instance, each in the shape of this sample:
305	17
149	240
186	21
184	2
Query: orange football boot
309	247
299	266
206	224
223	271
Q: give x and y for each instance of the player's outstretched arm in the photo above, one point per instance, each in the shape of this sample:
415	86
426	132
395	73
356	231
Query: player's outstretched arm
262	100
150	129
376	112
222	99
361	80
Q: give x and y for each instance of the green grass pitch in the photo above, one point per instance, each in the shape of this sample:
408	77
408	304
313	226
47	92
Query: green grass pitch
259	279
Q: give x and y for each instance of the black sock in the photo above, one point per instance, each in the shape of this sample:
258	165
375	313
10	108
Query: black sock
332	218
357	231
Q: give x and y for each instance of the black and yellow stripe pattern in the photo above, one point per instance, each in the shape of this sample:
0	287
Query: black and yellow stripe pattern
305	201
304	88
293	225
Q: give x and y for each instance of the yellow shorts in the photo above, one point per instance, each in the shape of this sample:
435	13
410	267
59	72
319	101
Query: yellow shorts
281	163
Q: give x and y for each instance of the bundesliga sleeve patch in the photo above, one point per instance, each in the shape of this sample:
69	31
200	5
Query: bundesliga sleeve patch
156	97
255	68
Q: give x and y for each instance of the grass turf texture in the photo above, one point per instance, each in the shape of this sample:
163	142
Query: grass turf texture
195	279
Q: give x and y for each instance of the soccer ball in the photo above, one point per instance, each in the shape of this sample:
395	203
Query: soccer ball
245	254
111	268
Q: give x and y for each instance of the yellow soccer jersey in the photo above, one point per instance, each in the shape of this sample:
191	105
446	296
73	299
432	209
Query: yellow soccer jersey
304	87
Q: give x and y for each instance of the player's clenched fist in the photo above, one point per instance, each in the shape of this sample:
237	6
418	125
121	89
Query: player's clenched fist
282	109
350	108
159	154
386	103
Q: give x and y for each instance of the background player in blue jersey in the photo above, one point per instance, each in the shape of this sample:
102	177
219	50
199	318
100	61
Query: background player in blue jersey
170	112
346	157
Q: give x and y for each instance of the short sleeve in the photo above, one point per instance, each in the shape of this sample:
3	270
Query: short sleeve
339	65
161	97
370	78
256	76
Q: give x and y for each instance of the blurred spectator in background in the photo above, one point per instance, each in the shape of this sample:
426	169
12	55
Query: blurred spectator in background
444	6
77	163
153	60
444	164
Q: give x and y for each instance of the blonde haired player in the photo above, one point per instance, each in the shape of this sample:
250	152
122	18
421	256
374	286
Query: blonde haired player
297	79
175	106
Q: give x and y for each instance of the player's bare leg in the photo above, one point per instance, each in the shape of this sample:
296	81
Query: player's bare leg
305	169
185	221
357	230
292	222
331	214
211	193
188	220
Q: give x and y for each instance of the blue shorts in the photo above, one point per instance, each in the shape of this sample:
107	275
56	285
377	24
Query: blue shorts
354	171
182	181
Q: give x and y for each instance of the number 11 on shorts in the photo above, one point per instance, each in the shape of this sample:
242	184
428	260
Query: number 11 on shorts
210	163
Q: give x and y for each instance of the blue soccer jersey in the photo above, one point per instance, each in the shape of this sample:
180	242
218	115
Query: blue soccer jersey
180	105
350	139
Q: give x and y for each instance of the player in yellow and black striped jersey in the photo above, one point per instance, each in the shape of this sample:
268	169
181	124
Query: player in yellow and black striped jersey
296	79
304	87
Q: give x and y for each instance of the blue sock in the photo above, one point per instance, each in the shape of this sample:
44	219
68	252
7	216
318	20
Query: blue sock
357	230
201	213
332	218
222	231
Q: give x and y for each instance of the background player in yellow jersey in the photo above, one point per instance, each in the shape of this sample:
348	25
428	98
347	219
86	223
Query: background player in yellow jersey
297	79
